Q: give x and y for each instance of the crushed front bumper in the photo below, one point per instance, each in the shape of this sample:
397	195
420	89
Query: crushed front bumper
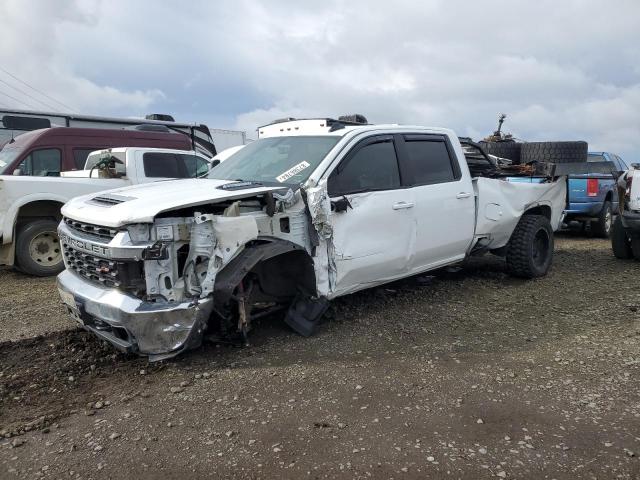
157	329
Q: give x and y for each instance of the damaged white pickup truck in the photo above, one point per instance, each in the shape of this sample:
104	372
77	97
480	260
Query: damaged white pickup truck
312	210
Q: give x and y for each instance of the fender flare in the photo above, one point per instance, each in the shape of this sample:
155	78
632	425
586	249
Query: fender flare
10	218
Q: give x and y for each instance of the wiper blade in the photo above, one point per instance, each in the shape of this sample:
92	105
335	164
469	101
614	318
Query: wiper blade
240	184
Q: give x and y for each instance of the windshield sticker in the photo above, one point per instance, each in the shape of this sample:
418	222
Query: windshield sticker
292	172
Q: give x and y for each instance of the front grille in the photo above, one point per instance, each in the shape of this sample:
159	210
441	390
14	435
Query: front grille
105	233
125	275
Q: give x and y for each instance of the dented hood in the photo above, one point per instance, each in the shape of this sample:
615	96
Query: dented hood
141	203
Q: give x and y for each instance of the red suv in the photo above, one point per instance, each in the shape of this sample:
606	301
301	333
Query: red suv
49	151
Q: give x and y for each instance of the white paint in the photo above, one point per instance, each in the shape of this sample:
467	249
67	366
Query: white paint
373	241
503	203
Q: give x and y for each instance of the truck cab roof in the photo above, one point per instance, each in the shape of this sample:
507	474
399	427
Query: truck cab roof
333	127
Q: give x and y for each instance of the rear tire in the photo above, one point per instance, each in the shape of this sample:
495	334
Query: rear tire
620	242
602	226
554	152
38	250
530	249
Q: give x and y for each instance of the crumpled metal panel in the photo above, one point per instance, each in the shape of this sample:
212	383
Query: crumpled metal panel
319	205
502	203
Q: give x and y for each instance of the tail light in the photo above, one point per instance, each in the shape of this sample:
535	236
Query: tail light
592	187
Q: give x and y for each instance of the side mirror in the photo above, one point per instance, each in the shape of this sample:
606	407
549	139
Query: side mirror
341	205
17	172
215	163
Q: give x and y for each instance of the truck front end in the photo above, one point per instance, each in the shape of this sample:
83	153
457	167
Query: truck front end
108	286
151	268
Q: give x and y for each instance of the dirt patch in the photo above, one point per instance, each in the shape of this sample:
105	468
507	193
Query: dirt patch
468	374
29	306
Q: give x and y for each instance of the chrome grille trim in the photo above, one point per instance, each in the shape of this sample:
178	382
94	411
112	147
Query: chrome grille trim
96	269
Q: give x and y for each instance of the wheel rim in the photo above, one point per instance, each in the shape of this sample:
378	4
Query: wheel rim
541	244
607	221
44	249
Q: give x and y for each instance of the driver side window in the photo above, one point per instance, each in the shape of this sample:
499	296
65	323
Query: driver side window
371	167
42	163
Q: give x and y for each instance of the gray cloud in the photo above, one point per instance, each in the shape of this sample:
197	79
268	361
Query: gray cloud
561	70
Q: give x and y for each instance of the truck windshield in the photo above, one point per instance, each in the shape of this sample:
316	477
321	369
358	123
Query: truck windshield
276	160
7	155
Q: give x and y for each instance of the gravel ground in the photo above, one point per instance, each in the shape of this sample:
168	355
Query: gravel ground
461	375
26	308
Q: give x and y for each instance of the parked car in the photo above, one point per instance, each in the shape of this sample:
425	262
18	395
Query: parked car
30	205
593	196
625	234
312	210
49	151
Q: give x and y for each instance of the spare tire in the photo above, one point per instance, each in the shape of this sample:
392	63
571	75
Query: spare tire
554	152
508	150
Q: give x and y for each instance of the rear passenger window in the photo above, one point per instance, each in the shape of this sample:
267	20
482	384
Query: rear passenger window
80	156
173	165
429	162
372	167
42	163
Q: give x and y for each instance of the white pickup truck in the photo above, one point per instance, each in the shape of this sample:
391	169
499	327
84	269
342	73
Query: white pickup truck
625	232
30	206
312	210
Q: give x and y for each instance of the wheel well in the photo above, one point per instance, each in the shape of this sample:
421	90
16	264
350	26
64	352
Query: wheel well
282	269
543	210
609	196
39	209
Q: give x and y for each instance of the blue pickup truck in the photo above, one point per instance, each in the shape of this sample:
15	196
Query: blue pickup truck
592	197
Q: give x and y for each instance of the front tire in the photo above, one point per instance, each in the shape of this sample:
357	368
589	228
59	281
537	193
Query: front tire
38	250
620	242
602	226
530	249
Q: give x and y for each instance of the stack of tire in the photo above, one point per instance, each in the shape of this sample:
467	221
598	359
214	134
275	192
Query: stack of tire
549	152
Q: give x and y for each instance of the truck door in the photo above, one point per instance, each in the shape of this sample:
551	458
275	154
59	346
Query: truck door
444	209
374	230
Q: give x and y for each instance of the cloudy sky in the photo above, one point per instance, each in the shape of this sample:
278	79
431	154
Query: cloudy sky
560	70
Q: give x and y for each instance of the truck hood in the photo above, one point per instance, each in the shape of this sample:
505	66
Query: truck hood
141	203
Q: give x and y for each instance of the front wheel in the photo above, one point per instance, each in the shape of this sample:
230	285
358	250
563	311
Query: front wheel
602	226
530	249
38	249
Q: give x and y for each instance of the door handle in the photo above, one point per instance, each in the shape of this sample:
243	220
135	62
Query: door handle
403	205
463	195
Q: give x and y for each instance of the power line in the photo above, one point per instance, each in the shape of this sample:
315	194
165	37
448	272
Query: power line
17	100
30	96
39	91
